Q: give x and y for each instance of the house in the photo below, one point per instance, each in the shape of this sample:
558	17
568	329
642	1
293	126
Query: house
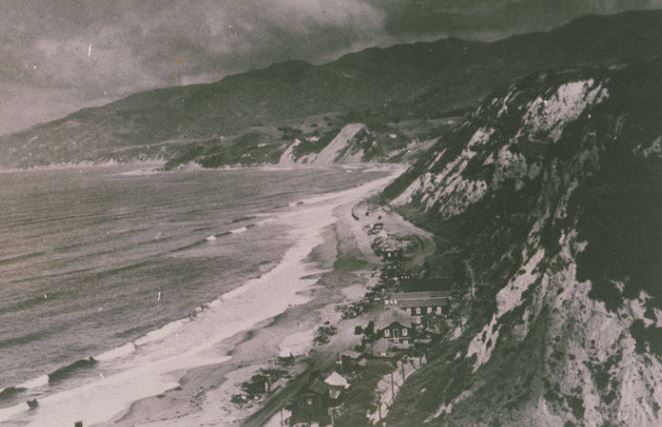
337	384
396	326
420	303
312	405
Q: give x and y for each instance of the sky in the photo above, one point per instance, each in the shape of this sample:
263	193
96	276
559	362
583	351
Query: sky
57	56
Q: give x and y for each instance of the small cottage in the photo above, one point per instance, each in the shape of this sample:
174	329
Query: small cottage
396	326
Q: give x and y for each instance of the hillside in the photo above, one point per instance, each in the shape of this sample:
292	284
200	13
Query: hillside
550	194
419	80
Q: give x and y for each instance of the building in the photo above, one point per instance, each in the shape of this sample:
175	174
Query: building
396	326
312	405
337	384
420	303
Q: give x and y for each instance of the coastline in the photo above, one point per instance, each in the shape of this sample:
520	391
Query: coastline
203	396
290	287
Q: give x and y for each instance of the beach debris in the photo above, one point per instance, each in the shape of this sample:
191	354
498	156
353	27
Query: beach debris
45	296
211	238
33	403
158	297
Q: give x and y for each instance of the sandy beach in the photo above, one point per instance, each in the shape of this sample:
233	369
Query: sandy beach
336	270
194	366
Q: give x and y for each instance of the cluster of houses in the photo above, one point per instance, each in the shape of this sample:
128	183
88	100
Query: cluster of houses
404	322
407	320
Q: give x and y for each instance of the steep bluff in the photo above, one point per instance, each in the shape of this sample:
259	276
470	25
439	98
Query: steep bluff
550	193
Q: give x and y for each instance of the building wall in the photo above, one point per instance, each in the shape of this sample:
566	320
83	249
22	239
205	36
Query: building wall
397	332
424	310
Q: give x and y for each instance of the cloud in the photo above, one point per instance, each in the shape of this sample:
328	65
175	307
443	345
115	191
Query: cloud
92	50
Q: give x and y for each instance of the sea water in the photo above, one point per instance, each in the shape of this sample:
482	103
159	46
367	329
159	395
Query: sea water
99	262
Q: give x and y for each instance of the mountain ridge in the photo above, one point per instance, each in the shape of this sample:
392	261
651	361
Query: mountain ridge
420	80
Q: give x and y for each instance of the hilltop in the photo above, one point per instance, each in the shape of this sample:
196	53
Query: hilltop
410	81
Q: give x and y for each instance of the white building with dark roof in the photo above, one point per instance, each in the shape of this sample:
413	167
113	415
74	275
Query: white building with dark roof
420	303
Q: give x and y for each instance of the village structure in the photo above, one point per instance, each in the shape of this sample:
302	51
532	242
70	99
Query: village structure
395	322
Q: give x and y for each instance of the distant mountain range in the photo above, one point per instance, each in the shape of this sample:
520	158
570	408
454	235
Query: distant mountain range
548	198
419	80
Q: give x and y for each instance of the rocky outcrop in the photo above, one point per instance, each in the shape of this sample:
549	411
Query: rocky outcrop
340	150
550	193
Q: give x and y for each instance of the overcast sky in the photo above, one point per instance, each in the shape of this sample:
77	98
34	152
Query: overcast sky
57	56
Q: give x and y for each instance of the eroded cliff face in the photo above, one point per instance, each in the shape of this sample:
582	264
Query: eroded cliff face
551	194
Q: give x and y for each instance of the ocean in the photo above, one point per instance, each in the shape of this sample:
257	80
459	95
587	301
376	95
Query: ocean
94	261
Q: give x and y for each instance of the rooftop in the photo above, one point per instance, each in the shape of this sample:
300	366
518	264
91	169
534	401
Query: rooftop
336	380
421	302
393	314
404	296
436	284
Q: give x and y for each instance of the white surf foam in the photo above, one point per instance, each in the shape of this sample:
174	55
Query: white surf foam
186	344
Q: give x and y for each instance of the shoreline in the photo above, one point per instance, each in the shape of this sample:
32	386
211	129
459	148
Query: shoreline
295	276
203	397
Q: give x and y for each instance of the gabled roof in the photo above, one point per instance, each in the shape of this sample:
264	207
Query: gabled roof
391	315
336	380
